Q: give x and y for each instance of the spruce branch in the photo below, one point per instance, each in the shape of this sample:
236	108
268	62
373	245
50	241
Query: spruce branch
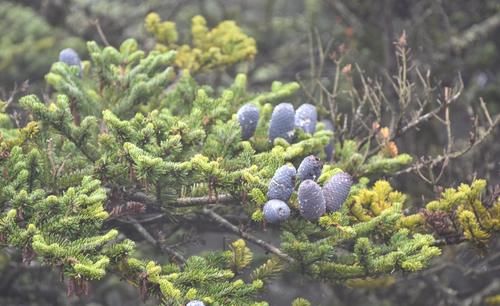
475	32
164	143
197	201
184	201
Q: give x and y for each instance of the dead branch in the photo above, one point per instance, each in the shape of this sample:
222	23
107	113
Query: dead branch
100	31
144	232
261	243
431	162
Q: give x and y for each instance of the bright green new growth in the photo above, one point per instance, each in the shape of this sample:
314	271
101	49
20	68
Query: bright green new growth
133	129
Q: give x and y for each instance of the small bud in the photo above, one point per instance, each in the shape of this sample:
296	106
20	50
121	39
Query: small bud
311	200
347	69
336	190
276	211
384	133
282	122
306	117
390	149
402	39
310	168
248	117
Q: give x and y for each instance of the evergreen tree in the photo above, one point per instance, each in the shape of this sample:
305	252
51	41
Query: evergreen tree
130	131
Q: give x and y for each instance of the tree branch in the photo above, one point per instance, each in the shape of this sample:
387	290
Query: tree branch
475	32
263	244
185	201
144	232
452	155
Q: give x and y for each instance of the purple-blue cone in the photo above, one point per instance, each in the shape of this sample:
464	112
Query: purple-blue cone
195	303
276	211
310	168
70	57
311	200
248	117
282	184
282	122
329	147
306	117
336	190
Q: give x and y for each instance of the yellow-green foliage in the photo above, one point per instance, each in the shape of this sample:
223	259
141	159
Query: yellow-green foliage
223	45
268	269
133	125
220	287
464	203
412	221
364	236
493	300
300	302
241	256
119	124
369	203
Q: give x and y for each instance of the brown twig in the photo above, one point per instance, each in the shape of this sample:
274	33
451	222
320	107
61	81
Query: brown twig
261	243
100	31
17	89
144	232
431	162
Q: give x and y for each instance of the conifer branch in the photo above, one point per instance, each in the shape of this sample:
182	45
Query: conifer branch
196	201
184	201
155	139
475	32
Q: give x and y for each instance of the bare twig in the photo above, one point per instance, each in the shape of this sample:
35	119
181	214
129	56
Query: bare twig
261	243
100	31
144	232
485	110
477	296
17	89
431	162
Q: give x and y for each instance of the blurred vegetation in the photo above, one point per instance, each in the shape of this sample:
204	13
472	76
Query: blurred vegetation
29	44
